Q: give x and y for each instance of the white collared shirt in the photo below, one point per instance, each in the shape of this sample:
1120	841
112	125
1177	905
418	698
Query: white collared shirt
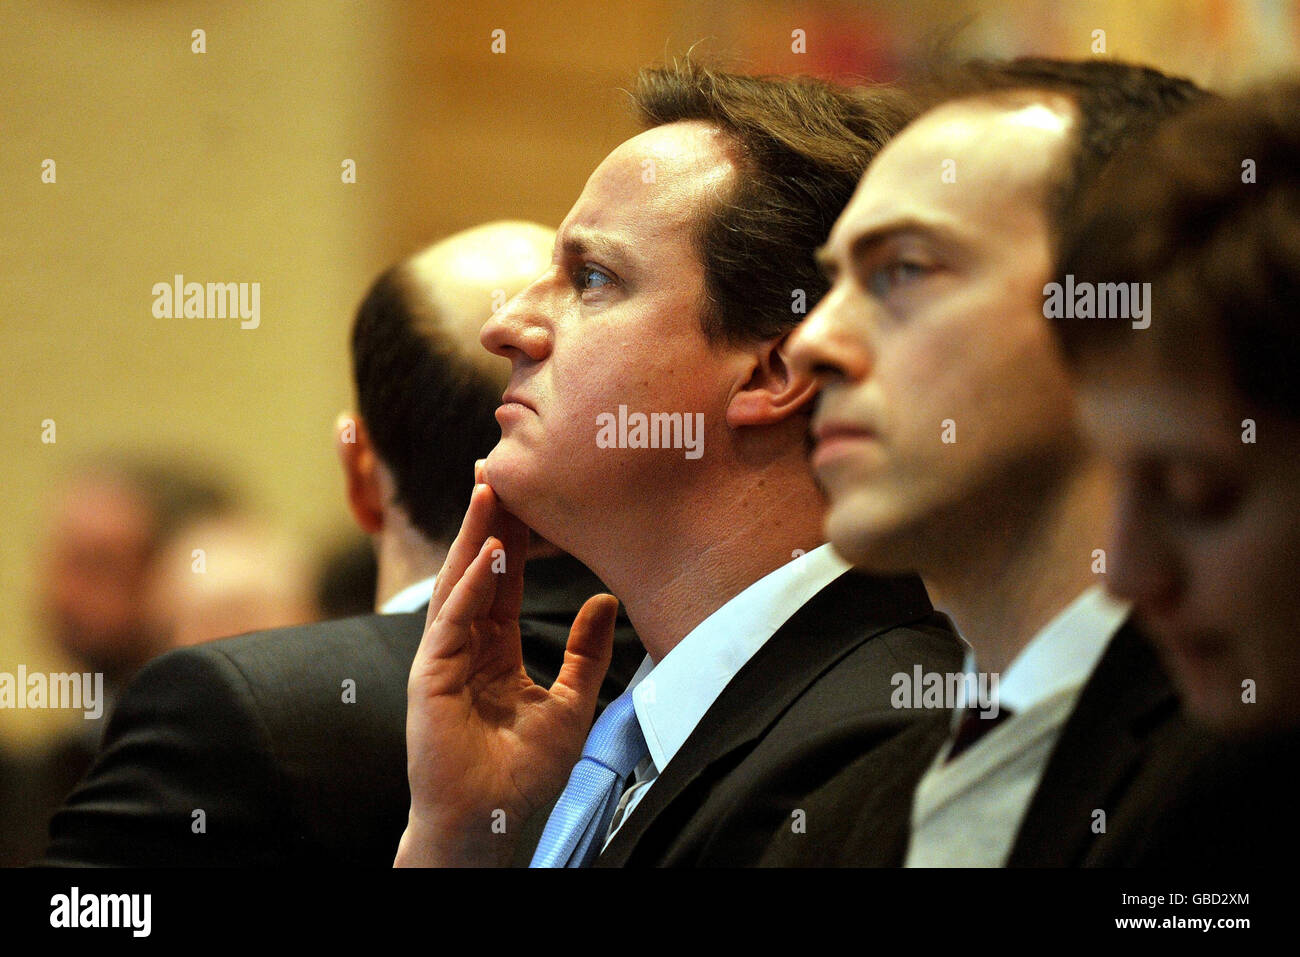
672	696
411	598
966	812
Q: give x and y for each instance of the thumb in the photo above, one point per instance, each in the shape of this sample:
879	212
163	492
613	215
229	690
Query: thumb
587	654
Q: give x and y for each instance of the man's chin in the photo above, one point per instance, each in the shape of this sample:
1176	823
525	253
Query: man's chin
866	540
517	488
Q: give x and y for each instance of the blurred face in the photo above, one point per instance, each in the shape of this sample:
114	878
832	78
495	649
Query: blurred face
614	321
943	392
96	561
1206	536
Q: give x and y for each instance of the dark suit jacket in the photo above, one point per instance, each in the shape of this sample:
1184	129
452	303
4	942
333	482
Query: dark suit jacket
813	697
1124	750
254	732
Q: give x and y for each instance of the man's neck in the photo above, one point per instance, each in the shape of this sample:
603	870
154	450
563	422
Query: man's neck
1023	564
672	571
404	557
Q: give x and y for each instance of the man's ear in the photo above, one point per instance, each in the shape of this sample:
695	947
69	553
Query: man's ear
361	470
774	391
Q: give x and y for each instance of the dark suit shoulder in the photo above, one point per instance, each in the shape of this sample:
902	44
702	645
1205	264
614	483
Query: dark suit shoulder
1121	758
160	792
841	744
813	698
289	741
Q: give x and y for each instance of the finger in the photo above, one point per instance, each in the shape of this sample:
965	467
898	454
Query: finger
474	529
510	589
587	654
480	471
472	597
447	634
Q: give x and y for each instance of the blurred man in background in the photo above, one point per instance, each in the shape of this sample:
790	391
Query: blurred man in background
1199	410
110	523
226	575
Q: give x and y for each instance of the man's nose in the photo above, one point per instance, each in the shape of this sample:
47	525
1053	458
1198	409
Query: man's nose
1142	566
827	345
520	328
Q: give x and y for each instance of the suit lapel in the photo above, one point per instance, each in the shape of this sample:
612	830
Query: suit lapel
847	612
1101	746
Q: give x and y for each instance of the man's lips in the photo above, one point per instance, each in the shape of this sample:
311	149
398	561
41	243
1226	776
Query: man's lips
835	438
511	398
827	431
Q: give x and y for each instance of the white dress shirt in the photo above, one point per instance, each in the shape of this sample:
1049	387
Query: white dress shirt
966	812
672	696
411	598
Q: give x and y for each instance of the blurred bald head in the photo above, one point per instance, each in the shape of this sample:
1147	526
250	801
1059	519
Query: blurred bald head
225	575
456	284
427	391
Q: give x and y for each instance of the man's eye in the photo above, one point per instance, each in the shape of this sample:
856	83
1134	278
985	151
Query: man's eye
1198	497
886	277
589	277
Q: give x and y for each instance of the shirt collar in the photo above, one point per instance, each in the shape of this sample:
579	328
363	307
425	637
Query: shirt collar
410	598
672	696
1064	652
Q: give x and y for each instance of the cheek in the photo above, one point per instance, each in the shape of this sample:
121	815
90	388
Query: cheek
1243	581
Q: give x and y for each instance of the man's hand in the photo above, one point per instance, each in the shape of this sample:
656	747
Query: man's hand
485	745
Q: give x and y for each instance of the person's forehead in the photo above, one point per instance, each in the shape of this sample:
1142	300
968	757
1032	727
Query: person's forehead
1135	403
652	184
974	167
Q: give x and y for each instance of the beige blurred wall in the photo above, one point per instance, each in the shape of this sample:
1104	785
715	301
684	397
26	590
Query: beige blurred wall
225	166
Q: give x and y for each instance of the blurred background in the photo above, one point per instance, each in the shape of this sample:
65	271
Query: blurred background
130	440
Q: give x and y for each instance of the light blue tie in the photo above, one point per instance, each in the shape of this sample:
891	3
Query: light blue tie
575	831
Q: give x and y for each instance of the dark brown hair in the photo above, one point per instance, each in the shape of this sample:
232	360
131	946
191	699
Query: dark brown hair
1117	102
802	144
1208	212
429	410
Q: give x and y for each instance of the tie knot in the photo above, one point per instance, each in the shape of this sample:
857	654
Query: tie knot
579	822
974	725
616	740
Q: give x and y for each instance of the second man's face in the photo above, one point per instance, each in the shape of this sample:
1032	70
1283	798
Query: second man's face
943	394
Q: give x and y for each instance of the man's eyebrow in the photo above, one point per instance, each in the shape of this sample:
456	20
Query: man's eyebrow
579	243
868	240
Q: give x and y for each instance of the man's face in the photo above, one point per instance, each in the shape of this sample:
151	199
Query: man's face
614	321
95	567
944	394
1206	533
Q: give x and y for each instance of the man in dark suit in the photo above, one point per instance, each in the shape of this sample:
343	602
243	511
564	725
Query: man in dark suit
948	441
287	746
653	427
